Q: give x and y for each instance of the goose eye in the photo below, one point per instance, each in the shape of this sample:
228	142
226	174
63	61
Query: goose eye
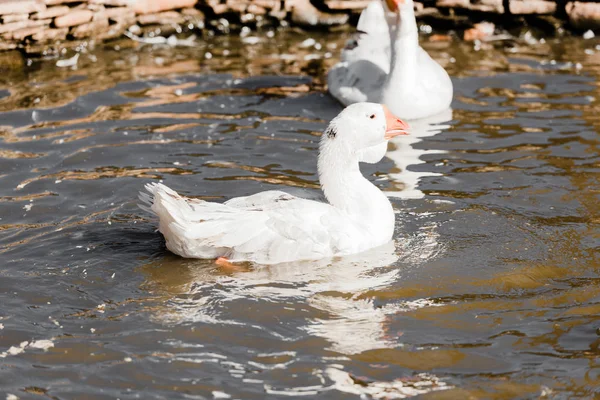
372	116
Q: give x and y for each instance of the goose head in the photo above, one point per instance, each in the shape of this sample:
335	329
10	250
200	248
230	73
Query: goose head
397	10
364	129
397	6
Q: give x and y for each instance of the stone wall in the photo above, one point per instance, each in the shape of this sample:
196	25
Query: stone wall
34	24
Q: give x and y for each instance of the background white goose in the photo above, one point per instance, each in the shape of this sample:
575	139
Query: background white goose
387	65
274	227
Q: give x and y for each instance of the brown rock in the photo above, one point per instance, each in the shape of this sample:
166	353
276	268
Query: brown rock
273	5
13	26
14	17
479	31
193	12
55	2
114	3
348	4
532	7
493	6
584	15
304	13
51	12
90	29
440	38
21	34
237	6
153	6
115	13
73	18
452	3
21	6
116	30
6	45
167	17
220	8
256	9
47	35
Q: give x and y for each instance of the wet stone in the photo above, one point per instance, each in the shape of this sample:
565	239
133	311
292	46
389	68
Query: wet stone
20	6
47	35
584	15
21	34
479	31
493	6
5	45
56	2
532	7
14	18
51	12
114	3
304	13
161	18
153	6
74	18
119	12
13	26
90	29
348	4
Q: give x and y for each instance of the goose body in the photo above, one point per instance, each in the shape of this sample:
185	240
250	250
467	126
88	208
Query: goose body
273	226
387	65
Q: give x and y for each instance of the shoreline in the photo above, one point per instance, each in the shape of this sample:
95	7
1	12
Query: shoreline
47	27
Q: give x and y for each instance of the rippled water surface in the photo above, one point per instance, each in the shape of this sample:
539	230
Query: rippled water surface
492	289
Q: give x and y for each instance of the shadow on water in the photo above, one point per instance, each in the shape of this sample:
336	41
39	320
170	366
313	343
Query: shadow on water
491	289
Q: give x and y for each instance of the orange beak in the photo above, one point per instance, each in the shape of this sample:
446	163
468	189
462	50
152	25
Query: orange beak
393	4
394	125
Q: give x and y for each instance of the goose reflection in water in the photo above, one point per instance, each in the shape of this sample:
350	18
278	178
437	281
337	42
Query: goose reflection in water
403	153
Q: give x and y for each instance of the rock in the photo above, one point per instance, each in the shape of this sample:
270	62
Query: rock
236	6
532	7
6	45
166	17
73	18
116	13
193	12
493	6
256	9
440	38
304	13
13	26
274	5
21	34
47	35
479	31
154	6
452	3
349	4
51	12
114	3
90	29
56	2
21	6
14	17
584	15
116	30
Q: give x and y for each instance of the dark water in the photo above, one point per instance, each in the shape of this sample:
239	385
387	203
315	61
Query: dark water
492	291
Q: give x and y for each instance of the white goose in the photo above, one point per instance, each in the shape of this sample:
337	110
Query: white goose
387	65
273	227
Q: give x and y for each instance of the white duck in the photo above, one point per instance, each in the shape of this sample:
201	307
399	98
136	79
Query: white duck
273	227
387	65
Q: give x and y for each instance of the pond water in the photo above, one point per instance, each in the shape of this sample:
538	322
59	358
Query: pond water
492	289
